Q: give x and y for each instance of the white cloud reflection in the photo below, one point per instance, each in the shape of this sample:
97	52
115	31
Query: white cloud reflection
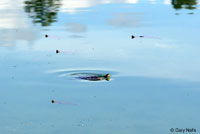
14	23
167	2
126	20
73	6
10	15
152	1
11	4
76	27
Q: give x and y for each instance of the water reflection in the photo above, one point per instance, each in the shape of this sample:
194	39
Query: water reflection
126	20
45	11
74	6
9	37
187	4
42	11
14	25
76	27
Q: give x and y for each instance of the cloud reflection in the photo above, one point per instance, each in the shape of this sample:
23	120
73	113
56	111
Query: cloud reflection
126	20
76	27
14	25
73	6
9	37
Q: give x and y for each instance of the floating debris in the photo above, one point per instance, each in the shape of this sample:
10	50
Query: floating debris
150	37
91	76
46	35
52	101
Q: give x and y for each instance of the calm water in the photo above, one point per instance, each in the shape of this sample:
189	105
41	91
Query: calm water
154	84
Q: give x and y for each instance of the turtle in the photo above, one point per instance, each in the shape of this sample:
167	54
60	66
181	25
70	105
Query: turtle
94	77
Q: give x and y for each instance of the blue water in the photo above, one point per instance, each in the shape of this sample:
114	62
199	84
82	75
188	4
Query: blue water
154	84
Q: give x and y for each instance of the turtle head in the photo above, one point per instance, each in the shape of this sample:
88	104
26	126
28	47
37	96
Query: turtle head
107	76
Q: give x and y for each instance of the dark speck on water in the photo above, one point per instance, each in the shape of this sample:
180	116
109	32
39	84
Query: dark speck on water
57	51
52	101
46	35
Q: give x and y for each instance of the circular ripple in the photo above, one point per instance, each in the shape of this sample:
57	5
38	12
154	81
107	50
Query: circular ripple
83	74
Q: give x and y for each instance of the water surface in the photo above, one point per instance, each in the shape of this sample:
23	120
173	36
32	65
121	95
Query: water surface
154	81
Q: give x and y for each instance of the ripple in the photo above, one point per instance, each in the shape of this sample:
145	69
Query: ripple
85	74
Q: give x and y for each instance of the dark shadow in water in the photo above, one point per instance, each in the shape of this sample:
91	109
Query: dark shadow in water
187	4
42	11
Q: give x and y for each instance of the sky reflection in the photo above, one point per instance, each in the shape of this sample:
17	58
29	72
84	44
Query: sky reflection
152	79
14	25
102	34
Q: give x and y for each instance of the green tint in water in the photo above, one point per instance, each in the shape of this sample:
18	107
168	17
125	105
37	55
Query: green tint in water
187	4
42	11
